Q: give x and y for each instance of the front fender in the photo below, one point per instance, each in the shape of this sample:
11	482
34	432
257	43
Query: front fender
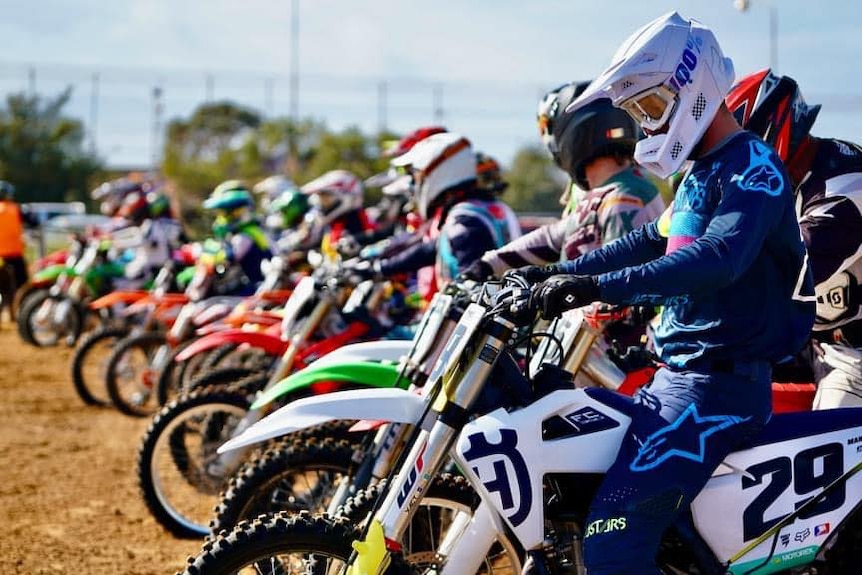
51	273
270	344
366	373
117	298
397	405
381	350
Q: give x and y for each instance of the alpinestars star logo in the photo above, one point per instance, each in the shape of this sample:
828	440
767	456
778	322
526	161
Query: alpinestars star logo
685	438
761	174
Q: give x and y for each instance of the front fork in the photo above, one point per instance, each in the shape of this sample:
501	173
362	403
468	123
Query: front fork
431	448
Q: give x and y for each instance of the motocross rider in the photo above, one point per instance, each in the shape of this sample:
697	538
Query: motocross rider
827	178
594	146
156	232
465	221
731	231
336	213
245	242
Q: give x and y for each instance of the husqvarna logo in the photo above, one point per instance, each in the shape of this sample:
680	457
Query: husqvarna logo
502	481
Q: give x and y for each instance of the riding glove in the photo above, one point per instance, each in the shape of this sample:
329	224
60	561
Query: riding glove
561	293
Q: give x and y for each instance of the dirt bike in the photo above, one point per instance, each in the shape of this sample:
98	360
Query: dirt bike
320	473
59	313
139	373
177	452
131	311
788	501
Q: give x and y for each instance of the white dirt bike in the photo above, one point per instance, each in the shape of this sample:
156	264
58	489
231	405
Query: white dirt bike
789	502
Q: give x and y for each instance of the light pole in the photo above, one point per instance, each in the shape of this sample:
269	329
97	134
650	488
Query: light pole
743	6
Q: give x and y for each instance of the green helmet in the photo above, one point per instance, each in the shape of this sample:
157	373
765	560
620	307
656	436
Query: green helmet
292	205
233	205
229	196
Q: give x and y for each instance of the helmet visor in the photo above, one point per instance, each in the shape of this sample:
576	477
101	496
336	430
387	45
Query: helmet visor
652	108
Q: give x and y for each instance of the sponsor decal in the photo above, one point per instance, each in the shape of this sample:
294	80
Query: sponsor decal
822	529
794	555
685	438
514	490
602	526
802	535
412	477
785	539
761	175
682	76
854	440
588	420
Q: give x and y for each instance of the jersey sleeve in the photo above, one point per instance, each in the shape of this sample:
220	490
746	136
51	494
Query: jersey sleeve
832	230
412	258
541	246
641	245
734	236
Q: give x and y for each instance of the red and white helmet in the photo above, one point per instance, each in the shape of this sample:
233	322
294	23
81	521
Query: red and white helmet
773	108
671	77
438	163
334	194
408	141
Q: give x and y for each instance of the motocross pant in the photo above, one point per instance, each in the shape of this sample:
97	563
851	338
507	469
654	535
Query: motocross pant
839	377
683	425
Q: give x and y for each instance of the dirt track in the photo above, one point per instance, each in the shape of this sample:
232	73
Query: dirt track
68	495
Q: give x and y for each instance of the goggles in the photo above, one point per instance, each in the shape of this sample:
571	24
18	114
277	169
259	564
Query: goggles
652	108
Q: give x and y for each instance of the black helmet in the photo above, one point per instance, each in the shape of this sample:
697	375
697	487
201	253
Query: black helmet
551	107
7	190
591	131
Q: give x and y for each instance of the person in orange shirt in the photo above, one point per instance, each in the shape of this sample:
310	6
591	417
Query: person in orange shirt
12	234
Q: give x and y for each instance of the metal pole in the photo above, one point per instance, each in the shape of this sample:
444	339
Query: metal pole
94	110
31	80
437	95
268	89
381	106
773	38
155	136
294	60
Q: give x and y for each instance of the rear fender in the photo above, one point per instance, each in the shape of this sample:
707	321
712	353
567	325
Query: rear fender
270	344
365	373
396	405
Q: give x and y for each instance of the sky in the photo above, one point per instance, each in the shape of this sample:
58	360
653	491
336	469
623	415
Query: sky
482	64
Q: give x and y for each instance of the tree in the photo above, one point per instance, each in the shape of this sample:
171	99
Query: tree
216	143
41	150
535	184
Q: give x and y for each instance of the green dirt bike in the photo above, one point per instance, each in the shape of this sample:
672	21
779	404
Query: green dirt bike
50	316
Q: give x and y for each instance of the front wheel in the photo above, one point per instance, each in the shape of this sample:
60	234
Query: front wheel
180	474
89	363
280	543
46	318
130	377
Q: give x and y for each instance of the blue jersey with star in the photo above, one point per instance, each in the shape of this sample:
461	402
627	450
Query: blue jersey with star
728	263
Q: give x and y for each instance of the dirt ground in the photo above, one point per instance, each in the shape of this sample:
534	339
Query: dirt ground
69	500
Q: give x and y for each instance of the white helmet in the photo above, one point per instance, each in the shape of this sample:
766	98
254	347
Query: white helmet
438	163
670	72
334	194
273	186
